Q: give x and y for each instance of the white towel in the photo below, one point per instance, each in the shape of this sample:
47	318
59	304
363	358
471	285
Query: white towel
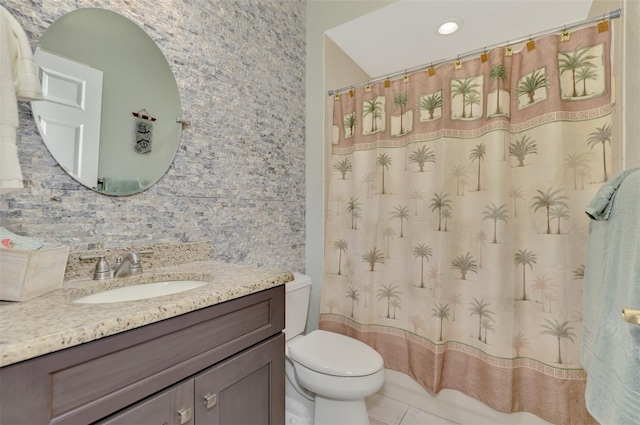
18	81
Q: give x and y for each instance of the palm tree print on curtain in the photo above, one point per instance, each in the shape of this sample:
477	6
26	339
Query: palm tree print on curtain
431	106
373	116
601	135
580	72
403	122
532	88
465	93
423	252
464	226
421	156
521	148
498	76
343	167
349	124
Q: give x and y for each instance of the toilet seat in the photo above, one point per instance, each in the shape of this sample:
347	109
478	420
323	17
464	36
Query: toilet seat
334	354
338	388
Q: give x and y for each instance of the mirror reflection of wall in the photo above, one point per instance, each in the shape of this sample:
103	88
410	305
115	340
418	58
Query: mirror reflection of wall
136	77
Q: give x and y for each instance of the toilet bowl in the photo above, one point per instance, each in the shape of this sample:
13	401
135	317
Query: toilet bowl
328	374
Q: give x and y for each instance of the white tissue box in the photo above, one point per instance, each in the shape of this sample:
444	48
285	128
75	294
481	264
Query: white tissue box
28	274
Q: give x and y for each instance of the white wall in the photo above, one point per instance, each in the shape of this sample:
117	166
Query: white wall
630	108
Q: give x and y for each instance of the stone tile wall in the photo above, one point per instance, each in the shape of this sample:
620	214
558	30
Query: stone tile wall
238	179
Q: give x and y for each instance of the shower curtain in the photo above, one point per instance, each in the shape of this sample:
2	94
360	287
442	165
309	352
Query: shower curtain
455	228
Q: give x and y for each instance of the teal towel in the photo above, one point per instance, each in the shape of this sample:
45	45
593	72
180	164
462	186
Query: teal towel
600	206
610	351
121	186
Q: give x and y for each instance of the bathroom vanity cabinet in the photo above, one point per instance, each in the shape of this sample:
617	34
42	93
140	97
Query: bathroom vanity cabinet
222	364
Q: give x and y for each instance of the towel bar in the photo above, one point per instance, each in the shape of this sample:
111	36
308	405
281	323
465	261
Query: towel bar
183	123
631	315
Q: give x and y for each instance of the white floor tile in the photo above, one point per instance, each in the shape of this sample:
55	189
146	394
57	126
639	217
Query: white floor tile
385	410
418	417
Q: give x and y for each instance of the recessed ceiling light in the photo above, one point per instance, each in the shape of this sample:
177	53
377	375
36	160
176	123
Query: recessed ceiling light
449	26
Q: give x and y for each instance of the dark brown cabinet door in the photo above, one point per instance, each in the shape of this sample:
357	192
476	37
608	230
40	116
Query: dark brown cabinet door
173	406
247	389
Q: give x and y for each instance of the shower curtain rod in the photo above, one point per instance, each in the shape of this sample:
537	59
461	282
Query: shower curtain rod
611	15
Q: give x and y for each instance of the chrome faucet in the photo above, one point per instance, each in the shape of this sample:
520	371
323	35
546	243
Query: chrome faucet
102	270
131	265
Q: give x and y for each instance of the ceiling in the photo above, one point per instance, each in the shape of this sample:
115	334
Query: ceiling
404	34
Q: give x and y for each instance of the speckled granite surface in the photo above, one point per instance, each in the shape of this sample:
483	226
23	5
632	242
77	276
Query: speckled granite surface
163	255
53	322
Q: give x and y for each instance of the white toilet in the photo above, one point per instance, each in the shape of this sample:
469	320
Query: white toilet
328	374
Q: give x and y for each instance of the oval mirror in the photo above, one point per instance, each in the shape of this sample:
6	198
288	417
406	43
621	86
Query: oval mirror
111	108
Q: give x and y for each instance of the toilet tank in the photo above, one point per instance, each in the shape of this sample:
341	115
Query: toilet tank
298	292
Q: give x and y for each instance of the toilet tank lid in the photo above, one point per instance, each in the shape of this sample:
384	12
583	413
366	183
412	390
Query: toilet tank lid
335	354
299	281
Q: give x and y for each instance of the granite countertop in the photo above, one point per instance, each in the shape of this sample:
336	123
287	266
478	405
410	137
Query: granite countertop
52	321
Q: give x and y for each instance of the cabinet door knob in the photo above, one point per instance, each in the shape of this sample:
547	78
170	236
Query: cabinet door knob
184	415
210	400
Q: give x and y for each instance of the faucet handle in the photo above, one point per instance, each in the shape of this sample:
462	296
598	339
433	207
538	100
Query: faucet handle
134	255
136	265
102	270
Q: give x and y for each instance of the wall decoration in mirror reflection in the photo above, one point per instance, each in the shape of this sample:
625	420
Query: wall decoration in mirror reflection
97	66
143	131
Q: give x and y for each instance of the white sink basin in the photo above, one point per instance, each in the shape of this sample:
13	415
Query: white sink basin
141	291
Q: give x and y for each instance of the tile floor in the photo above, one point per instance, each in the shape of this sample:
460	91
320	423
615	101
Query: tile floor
385	411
